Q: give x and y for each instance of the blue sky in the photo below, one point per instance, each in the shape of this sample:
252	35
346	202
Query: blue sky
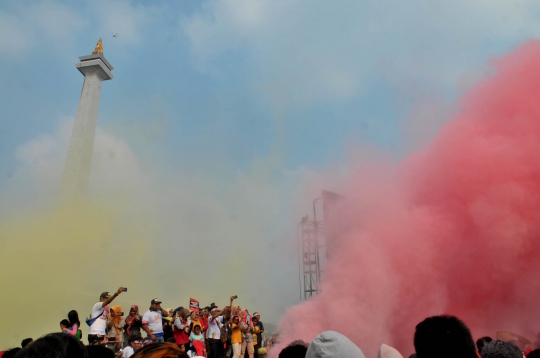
219	72
218	94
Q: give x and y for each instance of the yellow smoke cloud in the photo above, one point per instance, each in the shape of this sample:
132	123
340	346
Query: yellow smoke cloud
53	262
159	232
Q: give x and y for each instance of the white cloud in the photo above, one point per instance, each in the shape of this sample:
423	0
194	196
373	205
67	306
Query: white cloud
41	160
327	51
47	23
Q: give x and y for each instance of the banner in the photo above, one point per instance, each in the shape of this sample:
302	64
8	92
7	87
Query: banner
193	305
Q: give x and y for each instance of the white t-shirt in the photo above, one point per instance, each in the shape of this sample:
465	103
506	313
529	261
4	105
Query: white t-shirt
100	324
153	319
178	323
128	352
214	331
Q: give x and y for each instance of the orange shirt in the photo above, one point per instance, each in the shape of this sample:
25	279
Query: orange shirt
196	323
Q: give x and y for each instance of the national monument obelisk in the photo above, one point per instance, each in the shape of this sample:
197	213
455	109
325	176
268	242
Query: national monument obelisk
75	179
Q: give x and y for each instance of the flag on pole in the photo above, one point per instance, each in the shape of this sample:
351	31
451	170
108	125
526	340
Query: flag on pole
194	305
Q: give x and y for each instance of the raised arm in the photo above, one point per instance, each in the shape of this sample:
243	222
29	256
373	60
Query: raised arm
110	299
228	314
216	314
163	312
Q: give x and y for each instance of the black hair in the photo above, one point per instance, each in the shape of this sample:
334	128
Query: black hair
481	342
296	349
73	318
95	339
65	323
99	352
54	345
10	353
133	337
534	354
501	349
443	337
26	341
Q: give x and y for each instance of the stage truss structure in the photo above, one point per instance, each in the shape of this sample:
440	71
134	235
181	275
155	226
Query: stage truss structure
312	254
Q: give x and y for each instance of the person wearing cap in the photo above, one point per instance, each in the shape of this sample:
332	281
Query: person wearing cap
100	312
152	321
213	333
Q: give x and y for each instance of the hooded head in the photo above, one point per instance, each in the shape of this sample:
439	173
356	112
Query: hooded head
331	344
388	352
182	312
117	317
117	310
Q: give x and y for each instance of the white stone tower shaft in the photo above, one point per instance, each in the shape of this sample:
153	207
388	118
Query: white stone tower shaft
75	179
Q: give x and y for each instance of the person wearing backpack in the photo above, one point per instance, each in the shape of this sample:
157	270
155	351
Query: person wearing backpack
99	316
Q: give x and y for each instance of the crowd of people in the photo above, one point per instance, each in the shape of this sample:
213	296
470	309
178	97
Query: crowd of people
435	337
196	331
232	332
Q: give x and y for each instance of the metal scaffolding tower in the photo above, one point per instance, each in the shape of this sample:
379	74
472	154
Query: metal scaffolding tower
312	243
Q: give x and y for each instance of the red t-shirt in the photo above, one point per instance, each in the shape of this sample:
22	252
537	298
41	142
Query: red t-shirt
180	335
204	321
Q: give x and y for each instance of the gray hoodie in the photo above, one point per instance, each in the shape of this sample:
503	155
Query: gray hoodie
388	352
332	344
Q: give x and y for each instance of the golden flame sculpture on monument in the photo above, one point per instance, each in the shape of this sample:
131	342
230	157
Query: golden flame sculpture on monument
99	48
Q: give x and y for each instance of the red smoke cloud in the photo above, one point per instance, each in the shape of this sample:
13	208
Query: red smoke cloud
452	229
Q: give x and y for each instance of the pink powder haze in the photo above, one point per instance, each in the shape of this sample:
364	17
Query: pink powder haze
452	229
